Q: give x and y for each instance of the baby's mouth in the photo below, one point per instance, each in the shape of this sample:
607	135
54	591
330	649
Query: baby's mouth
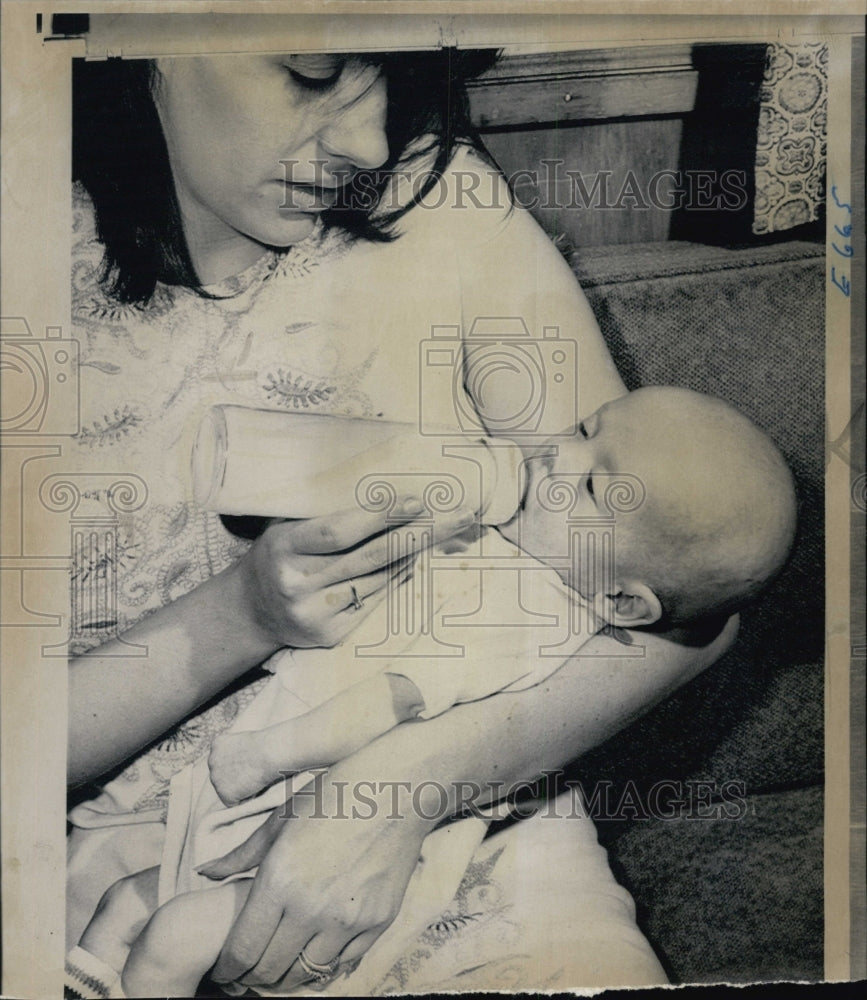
537	468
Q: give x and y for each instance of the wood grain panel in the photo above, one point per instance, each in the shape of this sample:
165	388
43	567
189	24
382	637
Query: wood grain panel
575	86
582	99
616	163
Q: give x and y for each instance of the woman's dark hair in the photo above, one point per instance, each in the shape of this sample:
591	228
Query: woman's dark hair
119	154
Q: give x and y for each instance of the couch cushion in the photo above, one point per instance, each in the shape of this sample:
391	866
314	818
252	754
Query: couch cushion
730	900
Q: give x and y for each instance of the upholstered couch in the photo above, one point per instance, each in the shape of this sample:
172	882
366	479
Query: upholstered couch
740	897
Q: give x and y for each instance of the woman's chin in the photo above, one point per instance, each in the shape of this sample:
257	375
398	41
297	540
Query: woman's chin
292	228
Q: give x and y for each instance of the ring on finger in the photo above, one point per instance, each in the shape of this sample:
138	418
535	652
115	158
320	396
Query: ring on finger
357	604
320	972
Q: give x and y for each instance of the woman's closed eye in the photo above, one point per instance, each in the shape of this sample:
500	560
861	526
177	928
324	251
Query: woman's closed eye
314	72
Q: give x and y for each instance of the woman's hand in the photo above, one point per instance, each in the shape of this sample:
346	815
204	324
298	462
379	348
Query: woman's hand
309	583
327	885
302	583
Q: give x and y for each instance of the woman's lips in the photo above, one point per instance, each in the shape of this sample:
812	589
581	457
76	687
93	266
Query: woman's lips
307	197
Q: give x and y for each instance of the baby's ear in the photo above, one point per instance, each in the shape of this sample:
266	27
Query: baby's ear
632	605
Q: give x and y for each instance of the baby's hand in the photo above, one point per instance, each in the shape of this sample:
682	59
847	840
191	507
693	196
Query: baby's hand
240	766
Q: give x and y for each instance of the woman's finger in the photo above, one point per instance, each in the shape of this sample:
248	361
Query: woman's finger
350	595
285	946
341	617
404	541
321	950
359	946
250	935
347	529
356	608
349	957
280	954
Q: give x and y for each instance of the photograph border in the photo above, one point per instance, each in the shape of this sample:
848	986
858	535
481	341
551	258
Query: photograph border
36	152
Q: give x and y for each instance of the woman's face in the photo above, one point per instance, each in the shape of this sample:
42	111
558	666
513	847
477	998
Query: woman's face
259	144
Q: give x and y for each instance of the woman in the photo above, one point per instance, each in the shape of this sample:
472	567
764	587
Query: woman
284	231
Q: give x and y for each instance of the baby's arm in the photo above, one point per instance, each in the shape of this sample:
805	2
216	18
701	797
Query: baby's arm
245	763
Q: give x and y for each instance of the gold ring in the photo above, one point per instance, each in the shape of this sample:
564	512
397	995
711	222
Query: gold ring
319	973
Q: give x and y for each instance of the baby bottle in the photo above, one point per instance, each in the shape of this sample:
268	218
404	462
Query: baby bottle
299	465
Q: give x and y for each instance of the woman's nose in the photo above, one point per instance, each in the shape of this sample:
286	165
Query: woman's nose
358	135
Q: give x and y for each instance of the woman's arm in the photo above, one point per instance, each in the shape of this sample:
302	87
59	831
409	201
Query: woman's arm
513	737
342	883
294	587
190	649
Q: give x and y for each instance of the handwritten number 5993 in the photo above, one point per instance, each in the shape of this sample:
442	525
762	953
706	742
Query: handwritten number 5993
842	282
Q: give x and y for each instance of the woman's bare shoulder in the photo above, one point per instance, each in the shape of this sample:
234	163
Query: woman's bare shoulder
469	199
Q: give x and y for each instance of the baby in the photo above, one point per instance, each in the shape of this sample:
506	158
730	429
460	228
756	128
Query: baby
705	513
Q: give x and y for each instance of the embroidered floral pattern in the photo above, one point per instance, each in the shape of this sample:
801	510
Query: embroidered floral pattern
107	310
477	903
179	740
449	924
792	137
101	552
110	429
94	559
297	391
292	328
303	258
106	367
186	743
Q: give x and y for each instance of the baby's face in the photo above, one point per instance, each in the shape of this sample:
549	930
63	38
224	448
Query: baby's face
658	474
611	467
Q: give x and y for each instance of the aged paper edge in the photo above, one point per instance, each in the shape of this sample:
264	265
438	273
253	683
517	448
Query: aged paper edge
35	285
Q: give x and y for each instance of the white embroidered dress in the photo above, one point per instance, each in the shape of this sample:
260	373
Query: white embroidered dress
299	331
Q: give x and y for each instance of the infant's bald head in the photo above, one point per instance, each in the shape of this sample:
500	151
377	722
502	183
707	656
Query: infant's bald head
720	511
